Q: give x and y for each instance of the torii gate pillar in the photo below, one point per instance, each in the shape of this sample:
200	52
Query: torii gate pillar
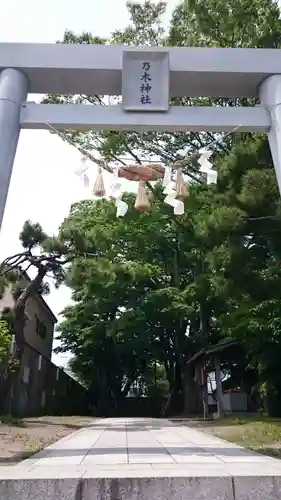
270	97
13	92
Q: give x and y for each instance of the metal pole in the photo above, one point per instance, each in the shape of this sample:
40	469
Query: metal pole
270	96
13	92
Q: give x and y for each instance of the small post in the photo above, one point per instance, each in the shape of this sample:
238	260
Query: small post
13	92
270	97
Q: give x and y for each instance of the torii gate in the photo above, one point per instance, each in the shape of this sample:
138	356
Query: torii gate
114	70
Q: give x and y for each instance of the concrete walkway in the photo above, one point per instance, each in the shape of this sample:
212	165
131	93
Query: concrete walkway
144	459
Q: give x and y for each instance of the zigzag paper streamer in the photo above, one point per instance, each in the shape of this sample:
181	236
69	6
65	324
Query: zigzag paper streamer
122	207
205	164
178	207
212	177
167	176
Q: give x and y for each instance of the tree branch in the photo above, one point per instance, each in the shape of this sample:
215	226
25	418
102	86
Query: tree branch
131	152
7	266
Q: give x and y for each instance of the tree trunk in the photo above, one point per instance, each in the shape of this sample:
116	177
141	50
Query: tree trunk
219	392
104	398
176	401
169	373
191	391
205	392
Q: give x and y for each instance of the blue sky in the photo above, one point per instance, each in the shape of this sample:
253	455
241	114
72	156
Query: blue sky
43	184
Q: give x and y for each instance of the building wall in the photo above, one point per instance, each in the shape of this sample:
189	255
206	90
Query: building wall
39	327
7	300
39	387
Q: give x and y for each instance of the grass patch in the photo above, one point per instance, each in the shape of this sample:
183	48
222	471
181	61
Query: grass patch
245	420
261	434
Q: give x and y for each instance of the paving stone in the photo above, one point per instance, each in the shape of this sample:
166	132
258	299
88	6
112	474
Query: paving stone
253	469
156	471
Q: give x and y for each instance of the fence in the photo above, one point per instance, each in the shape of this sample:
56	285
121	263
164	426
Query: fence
41	388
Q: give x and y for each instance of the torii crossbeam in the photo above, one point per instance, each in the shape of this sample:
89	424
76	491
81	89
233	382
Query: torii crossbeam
97	69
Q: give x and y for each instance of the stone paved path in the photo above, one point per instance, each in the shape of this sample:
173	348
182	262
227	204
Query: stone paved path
152	451
142	442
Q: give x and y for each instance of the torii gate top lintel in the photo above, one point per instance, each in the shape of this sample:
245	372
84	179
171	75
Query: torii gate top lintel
97	69
115	70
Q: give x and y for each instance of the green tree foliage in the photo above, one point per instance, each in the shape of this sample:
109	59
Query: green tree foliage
227	23
107	327
177	285
5	343
144	287
8	362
